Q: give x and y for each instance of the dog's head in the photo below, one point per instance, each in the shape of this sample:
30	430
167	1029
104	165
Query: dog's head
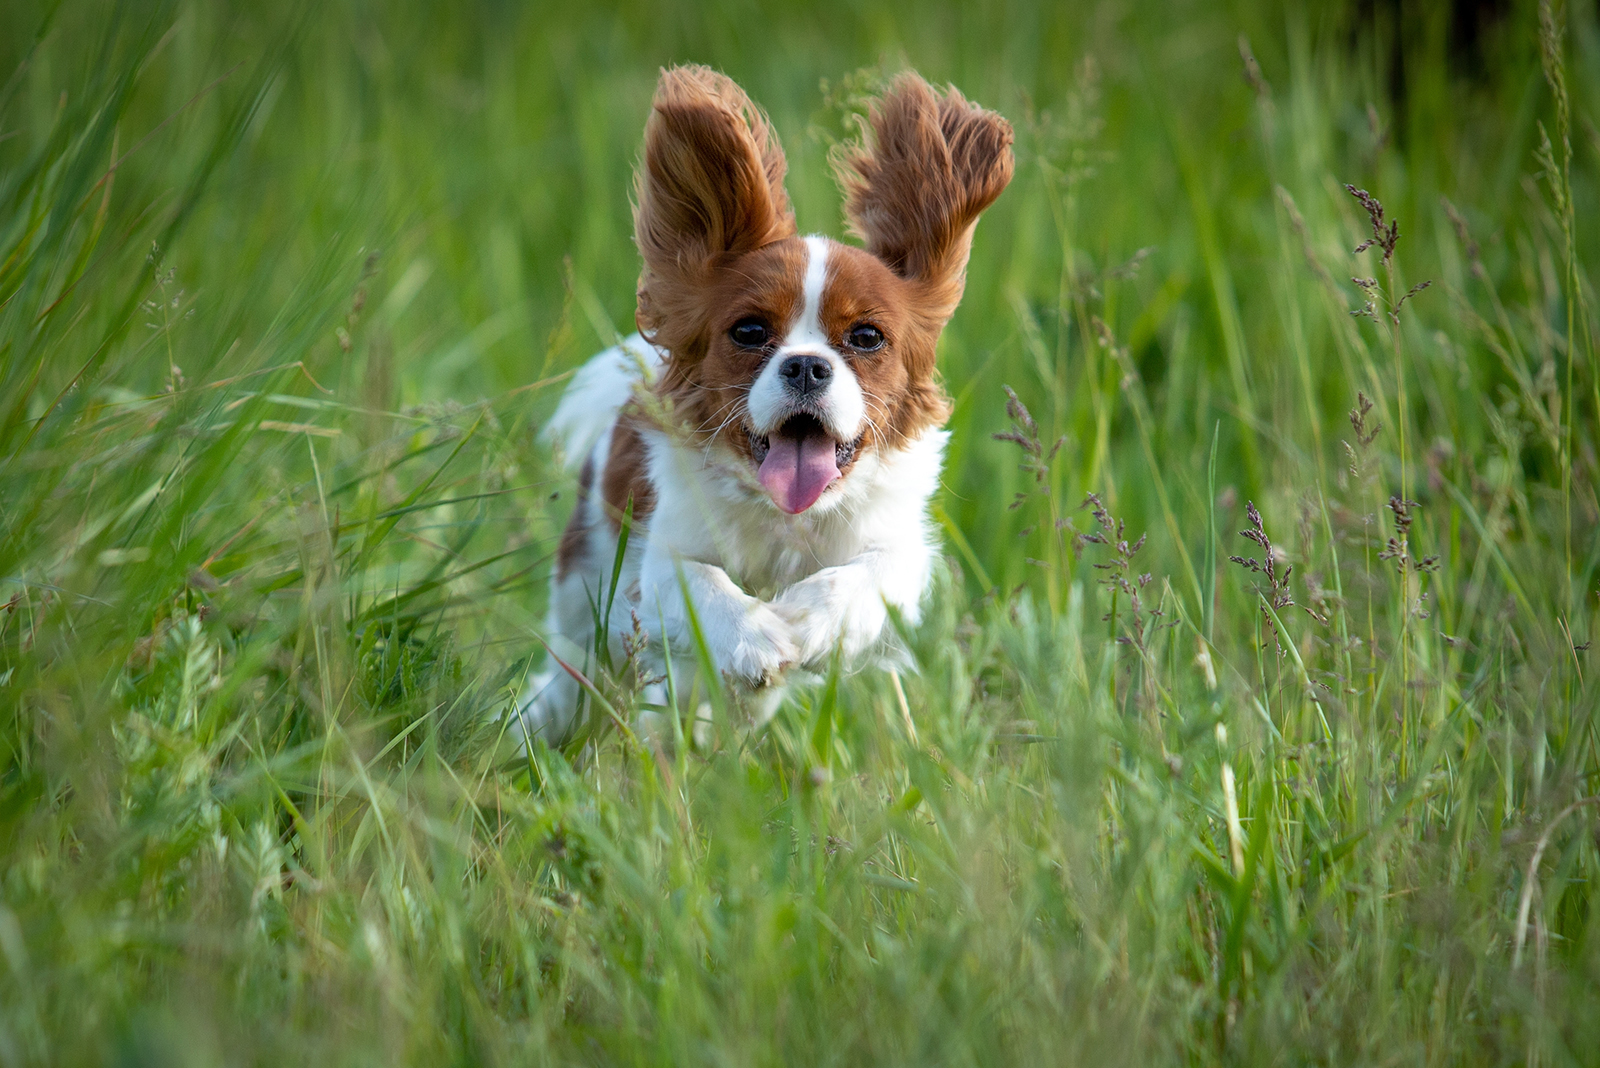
800	356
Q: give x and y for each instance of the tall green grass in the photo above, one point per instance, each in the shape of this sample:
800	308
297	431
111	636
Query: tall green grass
285	297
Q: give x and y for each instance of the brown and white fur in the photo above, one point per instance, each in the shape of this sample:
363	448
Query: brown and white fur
776	423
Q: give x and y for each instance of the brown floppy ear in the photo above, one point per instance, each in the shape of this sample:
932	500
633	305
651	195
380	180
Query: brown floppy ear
711	184
915	189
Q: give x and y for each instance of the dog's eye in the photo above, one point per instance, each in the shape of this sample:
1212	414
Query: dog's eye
864	337
750	333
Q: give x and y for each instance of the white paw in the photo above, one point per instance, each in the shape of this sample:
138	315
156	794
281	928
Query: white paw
815	610
758	648
548	711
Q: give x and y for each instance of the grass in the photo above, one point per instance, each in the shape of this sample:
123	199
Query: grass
1283	749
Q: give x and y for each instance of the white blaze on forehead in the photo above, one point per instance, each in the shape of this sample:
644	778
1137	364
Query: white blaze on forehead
840	406
808	330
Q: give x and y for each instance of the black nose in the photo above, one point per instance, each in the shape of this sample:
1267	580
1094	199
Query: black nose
803	374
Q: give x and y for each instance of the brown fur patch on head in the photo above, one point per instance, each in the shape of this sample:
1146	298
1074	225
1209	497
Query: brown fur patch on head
915	189
708	391
898	380
710	188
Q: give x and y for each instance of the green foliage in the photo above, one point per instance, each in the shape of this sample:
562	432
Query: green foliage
1280	747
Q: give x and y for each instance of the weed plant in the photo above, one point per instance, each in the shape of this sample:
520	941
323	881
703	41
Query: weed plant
1253	718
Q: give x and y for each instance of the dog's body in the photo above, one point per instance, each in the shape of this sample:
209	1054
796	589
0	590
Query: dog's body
774	443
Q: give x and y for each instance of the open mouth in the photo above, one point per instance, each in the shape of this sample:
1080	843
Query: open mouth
799	460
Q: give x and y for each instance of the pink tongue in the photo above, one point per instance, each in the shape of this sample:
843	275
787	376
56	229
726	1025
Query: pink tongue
797	470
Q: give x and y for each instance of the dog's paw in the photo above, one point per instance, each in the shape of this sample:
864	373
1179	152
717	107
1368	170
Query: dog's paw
810	610
828	610
818	610
548	712
758	649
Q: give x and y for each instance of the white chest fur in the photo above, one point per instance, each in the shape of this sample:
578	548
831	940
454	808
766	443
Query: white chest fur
709	511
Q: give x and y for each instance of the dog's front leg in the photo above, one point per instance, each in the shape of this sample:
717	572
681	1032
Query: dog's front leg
745	637
846	606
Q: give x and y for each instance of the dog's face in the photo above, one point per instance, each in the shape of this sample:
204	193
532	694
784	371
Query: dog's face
798	356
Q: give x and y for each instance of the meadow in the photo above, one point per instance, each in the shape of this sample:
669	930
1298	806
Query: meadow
1255	718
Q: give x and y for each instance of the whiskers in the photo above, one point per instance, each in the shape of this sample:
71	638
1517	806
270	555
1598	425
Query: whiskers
877	430
736	407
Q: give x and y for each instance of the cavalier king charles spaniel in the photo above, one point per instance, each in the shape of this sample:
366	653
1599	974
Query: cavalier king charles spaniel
772	435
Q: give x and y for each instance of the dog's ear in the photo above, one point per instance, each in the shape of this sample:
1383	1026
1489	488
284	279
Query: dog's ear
914	189
711	183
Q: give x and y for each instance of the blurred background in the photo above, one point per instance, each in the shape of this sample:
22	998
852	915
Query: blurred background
473	164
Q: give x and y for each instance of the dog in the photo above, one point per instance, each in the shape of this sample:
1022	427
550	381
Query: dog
771	437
